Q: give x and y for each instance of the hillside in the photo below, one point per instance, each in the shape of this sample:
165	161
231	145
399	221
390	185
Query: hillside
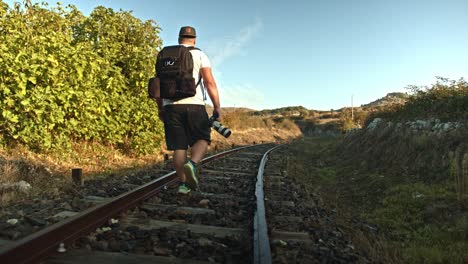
284	111
227	110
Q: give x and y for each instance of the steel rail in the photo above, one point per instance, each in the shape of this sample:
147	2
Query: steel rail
45	242
261	241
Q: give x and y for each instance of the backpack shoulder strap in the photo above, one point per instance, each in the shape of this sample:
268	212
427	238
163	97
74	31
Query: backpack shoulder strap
195	48
199	75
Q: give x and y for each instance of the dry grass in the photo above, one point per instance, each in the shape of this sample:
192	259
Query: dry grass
252	136
375	247
50	174
9	171
286	124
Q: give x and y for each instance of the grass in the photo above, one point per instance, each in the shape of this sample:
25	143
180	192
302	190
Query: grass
9	171
423	222
425	219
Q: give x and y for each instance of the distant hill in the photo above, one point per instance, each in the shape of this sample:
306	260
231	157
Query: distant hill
284	111
225	110
300	111
389	99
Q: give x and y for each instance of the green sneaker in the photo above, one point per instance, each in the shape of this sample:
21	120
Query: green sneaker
191	172
183	189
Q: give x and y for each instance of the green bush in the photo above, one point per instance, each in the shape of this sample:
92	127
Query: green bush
351	118
68	77
445	100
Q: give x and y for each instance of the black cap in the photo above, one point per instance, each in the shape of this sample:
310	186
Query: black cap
187	32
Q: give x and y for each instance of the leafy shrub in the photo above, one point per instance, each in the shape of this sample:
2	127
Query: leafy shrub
350	119
67	77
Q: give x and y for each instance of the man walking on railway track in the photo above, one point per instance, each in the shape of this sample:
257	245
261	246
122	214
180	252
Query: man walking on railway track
181	72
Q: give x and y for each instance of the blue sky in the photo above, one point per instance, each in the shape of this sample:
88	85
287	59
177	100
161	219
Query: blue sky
270	54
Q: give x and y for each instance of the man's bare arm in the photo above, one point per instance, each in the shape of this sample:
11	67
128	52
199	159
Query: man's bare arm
212	88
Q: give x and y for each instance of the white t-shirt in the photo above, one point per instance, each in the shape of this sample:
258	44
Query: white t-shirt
200	60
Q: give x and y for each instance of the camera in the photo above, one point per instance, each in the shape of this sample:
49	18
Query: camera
216	125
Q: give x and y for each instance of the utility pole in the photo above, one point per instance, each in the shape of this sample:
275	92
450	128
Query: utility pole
352	108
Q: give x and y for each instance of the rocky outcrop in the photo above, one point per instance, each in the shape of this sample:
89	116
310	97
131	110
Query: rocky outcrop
434	125
20	186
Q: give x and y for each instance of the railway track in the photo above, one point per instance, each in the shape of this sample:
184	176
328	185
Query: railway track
246	211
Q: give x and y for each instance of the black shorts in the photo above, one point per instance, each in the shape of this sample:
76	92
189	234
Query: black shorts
184	124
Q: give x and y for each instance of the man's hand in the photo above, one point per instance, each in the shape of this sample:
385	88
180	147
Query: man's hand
218	114
212	89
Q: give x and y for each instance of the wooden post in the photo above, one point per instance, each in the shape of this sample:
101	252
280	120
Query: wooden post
77	178
166	162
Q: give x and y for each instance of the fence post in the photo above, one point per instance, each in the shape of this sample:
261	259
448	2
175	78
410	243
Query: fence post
77	176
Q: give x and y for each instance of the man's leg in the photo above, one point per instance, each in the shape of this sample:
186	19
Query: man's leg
179	159
198	150
200	134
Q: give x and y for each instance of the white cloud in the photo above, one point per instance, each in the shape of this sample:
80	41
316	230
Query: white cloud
224	49
238	95
244	95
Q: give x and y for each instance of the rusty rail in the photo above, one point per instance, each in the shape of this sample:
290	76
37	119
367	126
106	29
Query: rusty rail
39	245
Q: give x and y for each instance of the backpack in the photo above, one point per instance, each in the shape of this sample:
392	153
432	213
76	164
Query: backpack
152	90
174	68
